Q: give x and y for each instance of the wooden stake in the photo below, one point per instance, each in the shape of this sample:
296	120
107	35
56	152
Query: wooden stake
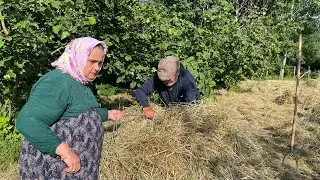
296	96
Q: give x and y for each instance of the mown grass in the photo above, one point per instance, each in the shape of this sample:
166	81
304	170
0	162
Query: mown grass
243	133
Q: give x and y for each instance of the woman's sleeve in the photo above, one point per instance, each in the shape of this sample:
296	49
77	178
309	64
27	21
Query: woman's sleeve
103	112
46	104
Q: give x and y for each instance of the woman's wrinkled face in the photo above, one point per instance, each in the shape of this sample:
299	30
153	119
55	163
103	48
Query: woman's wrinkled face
94	63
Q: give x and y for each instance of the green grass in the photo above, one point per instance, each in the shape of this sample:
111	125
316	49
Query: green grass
9	154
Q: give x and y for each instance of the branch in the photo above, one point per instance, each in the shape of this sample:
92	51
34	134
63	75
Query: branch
5	30
53	52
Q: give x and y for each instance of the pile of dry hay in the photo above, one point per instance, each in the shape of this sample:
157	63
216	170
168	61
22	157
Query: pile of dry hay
239	136
183	143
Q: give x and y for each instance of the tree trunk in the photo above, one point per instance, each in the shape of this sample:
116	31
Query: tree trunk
283	65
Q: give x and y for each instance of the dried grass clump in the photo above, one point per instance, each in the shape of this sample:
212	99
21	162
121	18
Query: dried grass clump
192	142
315	115
285	98
312	83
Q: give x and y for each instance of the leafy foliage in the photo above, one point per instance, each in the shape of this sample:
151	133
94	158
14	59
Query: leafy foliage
8	131
220	42
312	50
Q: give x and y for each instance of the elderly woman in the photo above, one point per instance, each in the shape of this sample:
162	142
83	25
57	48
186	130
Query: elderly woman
62	121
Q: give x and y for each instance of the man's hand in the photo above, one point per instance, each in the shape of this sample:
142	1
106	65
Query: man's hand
71	159
148	112
115	115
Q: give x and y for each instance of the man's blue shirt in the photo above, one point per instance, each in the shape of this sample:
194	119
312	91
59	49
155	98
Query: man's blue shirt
184	90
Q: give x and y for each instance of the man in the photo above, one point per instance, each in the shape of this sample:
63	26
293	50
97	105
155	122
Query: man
172	83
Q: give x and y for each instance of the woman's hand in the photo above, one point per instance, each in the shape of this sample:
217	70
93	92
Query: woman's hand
71	159
115	115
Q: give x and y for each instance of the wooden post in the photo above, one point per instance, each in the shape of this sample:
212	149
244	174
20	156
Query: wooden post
296	96
294	71
309	72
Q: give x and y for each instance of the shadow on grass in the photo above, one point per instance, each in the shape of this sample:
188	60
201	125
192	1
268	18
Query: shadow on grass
300	164
118	101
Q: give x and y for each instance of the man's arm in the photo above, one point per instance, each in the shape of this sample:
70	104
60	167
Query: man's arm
191	92
143	91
